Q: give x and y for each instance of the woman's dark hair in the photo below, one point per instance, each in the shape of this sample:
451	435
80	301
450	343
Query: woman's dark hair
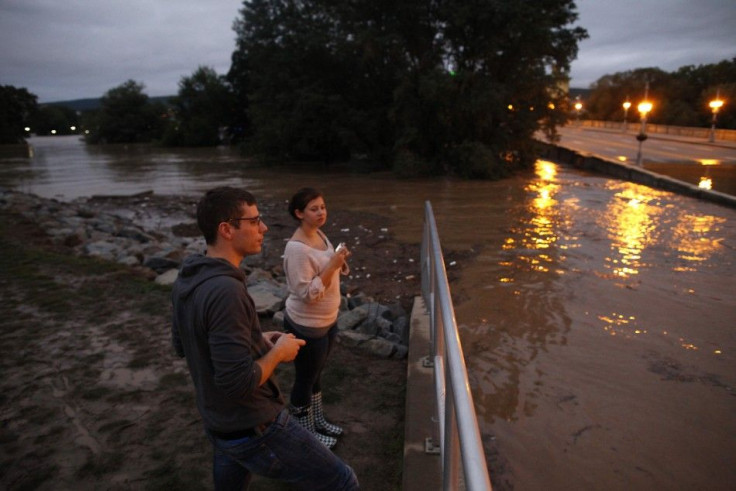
301	199
219	205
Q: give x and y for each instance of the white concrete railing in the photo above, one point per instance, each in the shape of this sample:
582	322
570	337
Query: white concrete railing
696	133
458	424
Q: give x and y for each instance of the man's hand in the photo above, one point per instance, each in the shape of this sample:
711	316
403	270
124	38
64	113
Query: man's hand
270	337
287	346
283	347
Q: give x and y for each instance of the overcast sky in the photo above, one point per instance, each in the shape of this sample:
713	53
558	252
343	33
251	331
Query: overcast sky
74	49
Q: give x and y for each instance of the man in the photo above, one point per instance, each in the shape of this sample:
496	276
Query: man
231	361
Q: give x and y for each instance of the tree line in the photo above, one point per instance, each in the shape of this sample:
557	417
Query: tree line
680	98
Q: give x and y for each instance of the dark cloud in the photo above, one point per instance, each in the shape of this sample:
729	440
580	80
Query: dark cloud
62	50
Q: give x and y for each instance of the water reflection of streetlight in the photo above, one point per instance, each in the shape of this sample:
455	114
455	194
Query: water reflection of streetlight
631	222
706	181
715	105
627	105
533	248
644	108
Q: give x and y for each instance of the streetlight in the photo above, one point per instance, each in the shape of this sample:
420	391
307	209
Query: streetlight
578	107
715	105
627	105
643	107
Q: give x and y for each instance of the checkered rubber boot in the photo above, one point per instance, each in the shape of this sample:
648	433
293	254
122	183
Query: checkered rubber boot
305	417
320	423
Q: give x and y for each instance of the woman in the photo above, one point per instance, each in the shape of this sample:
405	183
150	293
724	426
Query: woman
313	269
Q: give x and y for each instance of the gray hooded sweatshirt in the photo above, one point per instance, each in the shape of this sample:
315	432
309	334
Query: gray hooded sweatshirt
216	328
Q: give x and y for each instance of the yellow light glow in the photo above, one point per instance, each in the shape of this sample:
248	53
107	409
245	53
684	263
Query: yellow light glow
622	158
511	107
709	161
627	105
578	106
551	105
705	183
546	170
715	104
644	107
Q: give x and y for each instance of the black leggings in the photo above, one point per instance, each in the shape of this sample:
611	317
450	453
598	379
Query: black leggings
309	363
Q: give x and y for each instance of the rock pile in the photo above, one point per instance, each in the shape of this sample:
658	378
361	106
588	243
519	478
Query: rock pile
143	237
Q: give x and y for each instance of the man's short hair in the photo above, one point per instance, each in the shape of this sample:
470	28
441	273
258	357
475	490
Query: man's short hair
218	205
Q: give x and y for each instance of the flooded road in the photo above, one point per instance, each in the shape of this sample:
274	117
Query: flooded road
598	317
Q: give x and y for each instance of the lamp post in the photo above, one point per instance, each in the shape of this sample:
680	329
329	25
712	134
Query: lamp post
715	105
627	105
643	107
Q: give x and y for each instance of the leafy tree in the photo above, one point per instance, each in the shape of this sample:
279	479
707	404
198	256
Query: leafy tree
200	110
502	64
126	116
287	64
17	106
56	119
426	86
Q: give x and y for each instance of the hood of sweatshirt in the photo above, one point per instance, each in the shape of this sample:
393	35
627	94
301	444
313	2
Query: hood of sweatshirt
197	269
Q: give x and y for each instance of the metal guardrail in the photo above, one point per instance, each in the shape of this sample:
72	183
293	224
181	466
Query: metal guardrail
458	424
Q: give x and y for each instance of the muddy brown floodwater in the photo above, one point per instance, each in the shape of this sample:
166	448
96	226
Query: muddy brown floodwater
598	317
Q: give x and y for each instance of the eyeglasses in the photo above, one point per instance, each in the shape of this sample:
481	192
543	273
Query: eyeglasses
256	220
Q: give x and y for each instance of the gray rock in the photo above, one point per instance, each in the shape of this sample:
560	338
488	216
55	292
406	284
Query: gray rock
266	298
373	309
401	328
352	338
167	278
102	249
128	260
401	352
160	264
135	234
379	347
374	325
350	319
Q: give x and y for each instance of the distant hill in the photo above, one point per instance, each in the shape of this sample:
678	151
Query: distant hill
82	105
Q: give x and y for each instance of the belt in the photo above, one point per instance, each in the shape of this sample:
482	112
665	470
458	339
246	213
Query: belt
257	430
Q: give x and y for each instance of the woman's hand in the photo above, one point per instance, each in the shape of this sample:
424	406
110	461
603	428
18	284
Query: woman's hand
336	263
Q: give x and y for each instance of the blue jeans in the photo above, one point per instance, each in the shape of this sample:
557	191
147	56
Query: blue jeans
286	451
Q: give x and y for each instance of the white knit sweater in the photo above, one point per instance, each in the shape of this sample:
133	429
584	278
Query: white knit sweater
309	303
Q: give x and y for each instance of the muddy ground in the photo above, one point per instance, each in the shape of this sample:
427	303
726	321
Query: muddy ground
94	398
